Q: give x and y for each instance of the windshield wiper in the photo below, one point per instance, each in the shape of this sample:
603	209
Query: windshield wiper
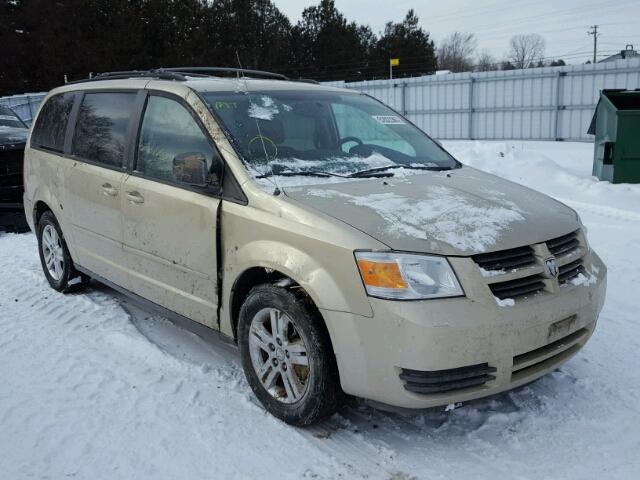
373	171
301	173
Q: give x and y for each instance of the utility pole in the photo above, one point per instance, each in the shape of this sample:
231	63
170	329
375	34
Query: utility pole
594	32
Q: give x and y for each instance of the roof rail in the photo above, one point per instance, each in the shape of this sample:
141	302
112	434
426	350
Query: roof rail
213	70
307	80
158	73
180	74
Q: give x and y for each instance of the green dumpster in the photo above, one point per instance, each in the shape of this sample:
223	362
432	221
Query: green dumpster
616	126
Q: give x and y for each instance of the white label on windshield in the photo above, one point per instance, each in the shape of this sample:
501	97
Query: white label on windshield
389	119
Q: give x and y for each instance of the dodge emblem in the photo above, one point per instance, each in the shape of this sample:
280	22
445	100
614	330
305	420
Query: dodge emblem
552	267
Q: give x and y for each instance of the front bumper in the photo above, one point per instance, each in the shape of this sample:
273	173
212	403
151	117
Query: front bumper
518	343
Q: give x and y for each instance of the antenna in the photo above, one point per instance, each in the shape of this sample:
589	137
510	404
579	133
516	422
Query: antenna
271	178
239	63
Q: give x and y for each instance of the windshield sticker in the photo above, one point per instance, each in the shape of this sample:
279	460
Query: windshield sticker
264	111
389	119
220	105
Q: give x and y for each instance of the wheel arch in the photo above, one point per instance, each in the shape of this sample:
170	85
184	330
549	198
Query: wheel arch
255	276
38	210
260	275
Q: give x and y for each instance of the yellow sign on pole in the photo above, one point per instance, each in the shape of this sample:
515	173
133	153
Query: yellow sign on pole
393	62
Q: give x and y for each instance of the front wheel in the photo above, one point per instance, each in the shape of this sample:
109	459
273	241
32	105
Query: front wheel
55	257
287	356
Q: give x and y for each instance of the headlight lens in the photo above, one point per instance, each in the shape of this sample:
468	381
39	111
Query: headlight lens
404	276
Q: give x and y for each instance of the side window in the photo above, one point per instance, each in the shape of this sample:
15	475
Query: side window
51	125
353	122
10	119
169	132
101	128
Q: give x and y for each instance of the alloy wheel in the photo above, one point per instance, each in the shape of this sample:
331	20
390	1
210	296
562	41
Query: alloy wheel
53	252
279	355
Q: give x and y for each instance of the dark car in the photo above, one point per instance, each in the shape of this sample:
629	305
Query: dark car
13	136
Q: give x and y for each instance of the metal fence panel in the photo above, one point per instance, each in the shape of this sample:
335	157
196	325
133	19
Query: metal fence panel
549	103
25	105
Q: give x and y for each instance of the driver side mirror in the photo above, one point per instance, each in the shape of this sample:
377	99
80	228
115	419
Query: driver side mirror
191	168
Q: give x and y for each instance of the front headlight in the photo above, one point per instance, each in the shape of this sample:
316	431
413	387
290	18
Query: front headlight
404	276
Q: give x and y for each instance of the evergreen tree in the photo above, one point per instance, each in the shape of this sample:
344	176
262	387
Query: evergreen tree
408	42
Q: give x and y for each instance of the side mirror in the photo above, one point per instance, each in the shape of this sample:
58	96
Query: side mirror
191	168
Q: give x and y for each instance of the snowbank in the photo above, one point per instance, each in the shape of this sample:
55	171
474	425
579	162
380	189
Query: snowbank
89	391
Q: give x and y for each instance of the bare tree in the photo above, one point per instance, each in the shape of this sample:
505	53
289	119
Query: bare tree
456	52
526	50
486	62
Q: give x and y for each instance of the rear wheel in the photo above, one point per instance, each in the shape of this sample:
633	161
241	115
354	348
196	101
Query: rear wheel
55	258
286	356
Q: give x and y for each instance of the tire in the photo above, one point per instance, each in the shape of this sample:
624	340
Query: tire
60	271
296	393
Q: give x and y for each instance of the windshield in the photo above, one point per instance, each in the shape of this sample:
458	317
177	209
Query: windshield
9	119
297	132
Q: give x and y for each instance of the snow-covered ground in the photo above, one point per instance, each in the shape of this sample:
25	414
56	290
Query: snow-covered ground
93	388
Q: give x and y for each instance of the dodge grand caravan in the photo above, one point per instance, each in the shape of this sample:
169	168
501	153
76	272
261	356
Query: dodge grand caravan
341	248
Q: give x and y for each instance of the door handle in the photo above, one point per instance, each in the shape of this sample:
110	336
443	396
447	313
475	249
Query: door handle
109	190
135	197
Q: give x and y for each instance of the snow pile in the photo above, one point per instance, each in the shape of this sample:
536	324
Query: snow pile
559	169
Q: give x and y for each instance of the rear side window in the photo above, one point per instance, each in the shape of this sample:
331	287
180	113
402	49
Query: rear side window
101	129
51	125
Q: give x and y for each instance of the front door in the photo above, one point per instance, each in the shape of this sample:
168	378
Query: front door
169	226
93	183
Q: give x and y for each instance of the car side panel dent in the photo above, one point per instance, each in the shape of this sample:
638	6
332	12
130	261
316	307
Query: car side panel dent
314	278
324	267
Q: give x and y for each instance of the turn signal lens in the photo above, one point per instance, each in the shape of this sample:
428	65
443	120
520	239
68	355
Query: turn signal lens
407	276
381	274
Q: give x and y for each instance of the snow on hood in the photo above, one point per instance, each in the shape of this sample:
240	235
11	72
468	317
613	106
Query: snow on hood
457	212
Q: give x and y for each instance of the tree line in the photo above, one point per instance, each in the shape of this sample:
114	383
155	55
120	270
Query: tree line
43	42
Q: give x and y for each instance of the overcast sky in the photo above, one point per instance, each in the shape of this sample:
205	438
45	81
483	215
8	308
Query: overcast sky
563	23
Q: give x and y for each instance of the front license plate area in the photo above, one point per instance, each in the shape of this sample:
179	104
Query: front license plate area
562	328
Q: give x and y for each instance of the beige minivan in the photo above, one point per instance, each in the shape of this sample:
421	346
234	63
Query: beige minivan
343	250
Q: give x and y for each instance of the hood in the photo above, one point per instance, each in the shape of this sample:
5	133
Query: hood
456	212
13	136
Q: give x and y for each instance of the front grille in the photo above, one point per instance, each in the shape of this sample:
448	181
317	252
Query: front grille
564	245
440	381
506	259
520	287
534	361
570	270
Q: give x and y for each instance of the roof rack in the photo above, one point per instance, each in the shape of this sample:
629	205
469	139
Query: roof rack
126	74
181	73
213	70
307	80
